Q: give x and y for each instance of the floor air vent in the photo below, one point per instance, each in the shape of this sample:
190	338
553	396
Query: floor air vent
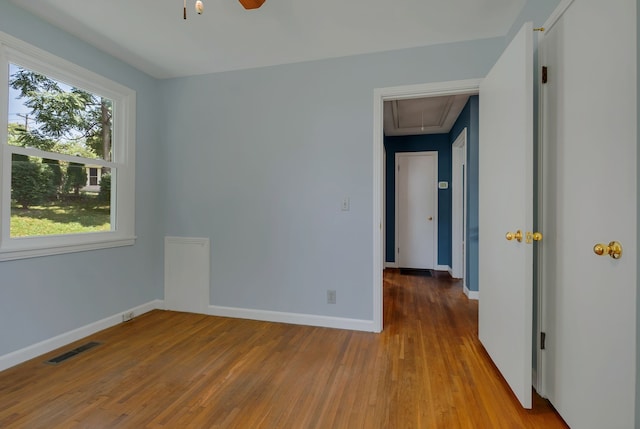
415	272
83	348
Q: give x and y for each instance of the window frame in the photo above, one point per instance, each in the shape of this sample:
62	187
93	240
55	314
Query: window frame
16	51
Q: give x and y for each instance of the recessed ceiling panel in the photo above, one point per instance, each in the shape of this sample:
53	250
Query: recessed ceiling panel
432	115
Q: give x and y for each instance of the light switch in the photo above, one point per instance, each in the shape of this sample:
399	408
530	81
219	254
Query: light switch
346	203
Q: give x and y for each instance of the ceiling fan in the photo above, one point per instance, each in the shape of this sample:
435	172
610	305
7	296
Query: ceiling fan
251	4
247	4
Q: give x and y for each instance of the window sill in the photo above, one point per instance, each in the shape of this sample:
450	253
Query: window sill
10	254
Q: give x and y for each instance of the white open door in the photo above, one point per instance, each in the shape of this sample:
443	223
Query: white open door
590	195
506	206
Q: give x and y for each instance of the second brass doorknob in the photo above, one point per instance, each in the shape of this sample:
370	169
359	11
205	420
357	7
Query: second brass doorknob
533	236
614	249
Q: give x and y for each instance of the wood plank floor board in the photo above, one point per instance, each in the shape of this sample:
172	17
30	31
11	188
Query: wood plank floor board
165	369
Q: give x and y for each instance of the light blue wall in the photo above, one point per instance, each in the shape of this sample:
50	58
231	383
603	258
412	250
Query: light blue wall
534	10
257	160
44	297
261	159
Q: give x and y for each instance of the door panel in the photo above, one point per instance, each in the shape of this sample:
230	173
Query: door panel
590	192
416	193
186	274
506	205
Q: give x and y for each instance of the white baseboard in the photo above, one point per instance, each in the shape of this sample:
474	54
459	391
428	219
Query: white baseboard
38	349
471	294
437	268
293	318
35	350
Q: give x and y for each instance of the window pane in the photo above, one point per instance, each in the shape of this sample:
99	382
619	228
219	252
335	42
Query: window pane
93	176
51	197
50	115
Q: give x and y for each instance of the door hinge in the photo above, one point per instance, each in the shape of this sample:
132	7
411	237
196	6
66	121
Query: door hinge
545	75
398	250
398	168
543	340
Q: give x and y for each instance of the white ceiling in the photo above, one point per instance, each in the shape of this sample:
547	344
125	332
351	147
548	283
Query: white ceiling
152	36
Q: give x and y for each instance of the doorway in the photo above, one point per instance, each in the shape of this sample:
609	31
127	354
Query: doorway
470	87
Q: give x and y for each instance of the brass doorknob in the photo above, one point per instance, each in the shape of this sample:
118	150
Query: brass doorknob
614	249
517	235
533	236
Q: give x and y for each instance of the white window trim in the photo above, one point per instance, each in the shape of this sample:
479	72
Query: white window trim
123	200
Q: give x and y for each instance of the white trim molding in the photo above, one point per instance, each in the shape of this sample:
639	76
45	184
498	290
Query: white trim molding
556	14
471	294
38	349
33	351
293	318
458	205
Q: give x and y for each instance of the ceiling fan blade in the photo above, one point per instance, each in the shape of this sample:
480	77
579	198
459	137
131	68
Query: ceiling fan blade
251	4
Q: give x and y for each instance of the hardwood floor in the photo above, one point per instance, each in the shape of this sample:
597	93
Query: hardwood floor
177	370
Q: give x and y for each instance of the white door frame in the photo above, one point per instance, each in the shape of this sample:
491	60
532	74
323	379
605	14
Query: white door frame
458	211
539	373
380	95
432	153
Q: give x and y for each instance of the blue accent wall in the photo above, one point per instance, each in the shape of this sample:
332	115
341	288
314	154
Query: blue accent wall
469	119
429	142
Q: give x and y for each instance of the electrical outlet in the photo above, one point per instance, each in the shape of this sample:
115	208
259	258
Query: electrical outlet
331	296
128	316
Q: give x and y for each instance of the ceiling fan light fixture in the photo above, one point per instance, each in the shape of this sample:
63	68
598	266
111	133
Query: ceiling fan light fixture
199	7
251	4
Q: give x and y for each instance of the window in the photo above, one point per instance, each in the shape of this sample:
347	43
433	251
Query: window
67	158
93	176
